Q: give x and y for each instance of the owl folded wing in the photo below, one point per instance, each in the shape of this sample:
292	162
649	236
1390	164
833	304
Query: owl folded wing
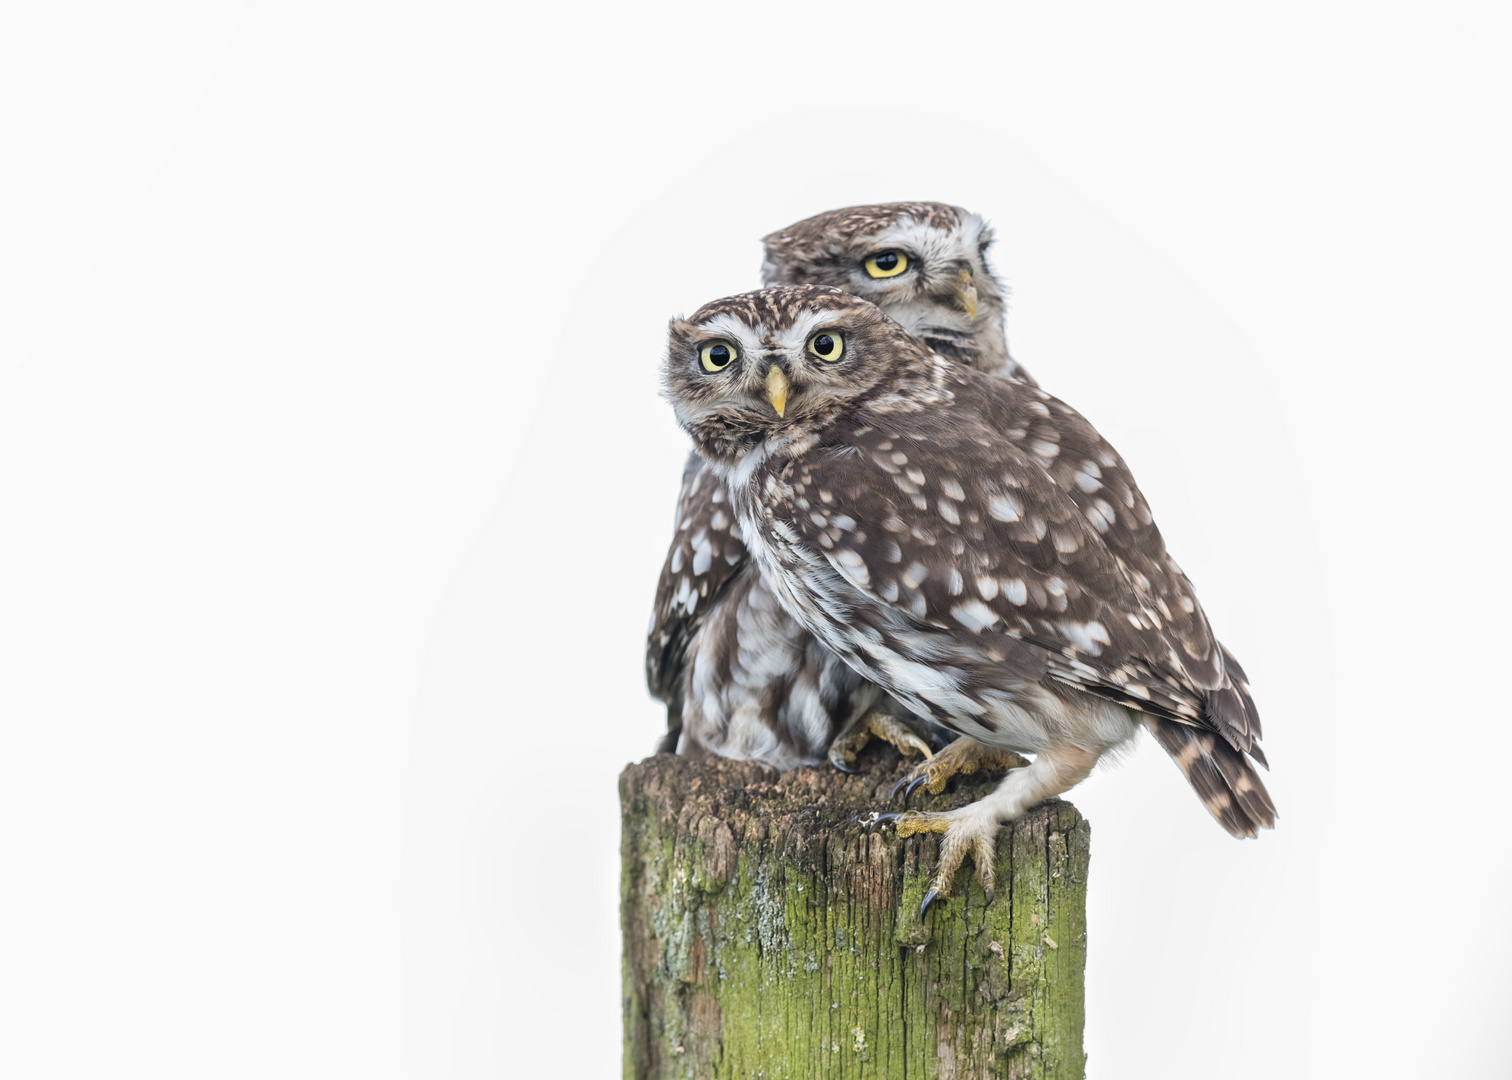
706	552
964	530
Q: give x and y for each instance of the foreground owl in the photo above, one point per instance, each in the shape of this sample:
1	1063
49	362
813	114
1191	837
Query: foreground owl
740	677
969	544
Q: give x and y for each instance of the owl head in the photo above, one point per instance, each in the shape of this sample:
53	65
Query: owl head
772	368
924	264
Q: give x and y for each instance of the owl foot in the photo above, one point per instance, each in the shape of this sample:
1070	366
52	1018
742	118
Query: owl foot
961	757
973	828
859	732
967	830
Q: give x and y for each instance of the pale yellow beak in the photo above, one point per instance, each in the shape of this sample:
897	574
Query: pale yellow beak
965	291
777	388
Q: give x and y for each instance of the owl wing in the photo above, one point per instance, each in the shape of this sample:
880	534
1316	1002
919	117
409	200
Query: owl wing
706	552
1096	478
944	518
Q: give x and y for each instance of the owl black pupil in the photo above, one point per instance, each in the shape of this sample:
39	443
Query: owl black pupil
888	261
719	356
824	344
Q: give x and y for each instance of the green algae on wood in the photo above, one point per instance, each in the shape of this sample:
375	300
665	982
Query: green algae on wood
767	935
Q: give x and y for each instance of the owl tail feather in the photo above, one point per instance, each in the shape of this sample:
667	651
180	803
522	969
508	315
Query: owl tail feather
1225	779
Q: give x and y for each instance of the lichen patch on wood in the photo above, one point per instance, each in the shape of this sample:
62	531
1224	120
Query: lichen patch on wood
766	934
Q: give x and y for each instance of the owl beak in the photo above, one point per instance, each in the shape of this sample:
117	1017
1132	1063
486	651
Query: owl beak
966	292
777	388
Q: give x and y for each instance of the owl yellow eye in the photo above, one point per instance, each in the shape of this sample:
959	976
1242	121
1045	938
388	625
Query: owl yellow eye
886	264
827	345
716	355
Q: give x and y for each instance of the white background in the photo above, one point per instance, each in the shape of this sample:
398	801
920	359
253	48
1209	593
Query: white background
334	483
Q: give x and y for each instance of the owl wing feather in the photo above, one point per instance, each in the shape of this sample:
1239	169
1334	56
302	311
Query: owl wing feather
940	515
706	553
1096	478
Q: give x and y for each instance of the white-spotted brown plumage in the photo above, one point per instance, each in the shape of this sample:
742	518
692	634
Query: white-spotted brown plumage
970	544
711	608
763	688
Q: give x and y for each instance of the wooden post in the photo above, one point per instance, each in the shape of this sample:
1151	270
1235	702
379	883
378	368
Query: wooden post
767	935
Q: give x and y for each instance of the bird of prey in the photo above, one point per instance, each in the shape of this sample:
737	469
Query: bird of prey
739	676
969	544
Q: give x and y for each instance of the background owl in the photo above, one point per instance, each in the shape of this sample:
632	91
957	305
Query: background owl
970	544
739	676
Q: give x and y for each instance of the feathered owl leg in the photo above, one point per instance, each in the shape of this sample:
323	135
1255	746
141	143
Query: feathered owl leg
973	829
860	730
962	757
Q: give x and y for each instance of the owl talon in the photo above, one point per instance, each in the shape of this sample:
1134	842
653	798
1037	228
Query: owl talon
960	758
906	784
930	897
964	832
860	731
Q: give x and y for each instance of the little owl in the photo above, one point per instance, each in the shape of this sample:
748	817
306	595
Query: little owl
968	544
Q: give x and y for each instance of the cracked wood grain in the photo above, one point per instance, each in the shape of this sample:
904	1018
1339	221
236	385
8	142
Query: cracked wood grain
765	934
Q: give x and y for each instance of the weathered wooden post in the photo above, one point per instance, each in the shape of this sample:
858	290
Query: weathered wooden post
767	935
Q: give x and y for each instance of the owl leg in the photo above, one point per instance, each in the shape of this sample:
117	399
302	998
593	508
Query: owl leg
964	756
860	731
973	829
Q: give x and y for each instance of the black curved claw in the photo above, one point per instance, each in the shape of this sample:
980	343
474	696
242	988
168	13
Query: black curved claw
930	897
844	767
893	794
882	819
924	779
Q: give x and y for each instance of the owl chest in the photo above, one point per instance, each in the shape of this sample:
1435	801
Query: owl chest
933	672
799	575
